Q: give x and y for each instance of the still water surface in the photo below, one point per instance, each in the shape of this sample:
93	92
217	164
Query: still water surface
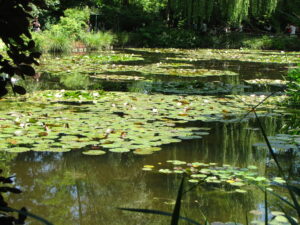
75	189
71	188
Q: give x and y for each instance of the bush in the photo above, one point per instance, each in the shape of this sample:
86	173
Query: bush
293	90
60	37
50	41
157	35
122	39
98	41
73	23
260	42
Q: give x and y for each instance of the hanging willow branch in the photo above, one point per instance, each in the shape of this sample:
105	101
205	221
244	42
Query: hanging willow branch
229	11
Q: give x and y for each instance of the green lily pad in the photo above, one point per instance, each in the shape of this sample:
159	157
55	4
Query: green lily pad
193	181
240	191
119	150
238	184
165	171
94	152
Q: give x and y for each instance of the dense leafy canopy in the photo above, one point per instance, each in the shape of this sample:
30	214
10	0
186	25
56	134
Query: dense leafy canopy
132	14
14	32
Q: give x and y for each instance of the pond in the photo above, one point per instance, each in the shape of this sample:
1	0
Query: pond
79	155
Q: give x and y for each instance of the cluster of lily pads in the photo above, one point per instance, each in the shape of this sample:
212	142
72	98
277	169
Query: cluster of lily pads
211	173
283	143
277	218
98	122
280	83
185	88
138	63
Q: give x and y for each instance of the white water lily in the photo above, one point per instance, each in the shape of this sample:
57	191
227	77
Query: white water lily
58	95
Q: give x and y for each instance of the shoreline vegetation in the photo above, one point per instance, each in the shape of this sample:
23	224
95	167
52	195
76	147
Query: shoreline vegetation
75	27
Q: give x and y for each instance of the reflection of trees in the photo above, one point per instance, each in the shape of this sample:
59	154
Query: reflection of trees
66	190
71	188
221	206
227	143
5	159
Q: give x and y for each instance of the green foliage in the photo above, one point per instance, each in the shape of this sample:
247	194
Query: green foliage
14	32
160	36
263	42
52	41
99	40
151	6
294	87
122	38
60	37
220	11
74	22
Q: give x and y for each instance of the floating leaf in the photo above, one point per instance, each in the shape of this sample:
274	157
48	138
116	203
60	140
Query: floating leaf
165	171
238	184
240	191
193	181
94	152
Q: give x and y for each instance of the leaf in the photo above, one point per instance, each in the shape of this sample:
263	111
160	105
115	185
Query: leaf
290	219
3	91
25	213
176	211
19	90
27	70
10	189
22	216
31	44
35	54
266	207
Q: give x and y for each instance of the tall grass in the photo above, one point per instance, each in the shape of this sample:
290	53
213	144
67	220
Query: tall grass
53	42
99	40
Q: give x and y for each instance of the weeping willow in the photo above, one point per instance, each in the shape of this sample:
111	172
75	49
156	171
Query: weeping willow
262	8
224	11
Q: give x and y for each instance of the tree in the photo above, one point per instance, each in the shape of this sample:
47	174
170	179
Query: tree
220	11
15	33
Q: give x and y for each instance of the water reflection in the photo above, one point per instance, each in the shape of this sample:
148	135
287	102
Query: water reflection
71	188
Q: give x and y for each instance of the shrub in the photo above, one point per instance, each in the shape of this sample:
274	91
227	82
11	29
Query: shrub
99	40
260	42
49	41
293	89
122	39
73	23
60	37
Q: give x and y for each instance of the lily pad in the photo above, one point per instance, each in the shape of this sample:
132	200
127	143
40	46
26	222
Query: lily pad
94	152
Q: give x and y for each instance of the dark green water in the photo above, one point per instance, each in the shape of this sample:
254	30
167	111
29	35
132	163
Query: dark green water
70	188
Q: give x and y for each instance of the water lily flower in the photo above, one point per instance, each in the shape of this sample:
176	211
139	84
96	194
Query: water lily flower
58	95
155	110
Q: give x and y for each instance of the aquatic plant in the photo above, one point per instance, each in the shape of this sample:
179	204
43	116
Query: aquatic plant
217	175
127	123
